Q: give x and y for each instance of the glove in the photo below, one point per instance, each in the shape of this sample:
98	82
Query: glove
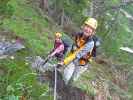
61	63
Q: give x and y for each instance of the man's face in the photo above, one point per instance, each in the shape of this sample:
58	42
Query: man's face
88	31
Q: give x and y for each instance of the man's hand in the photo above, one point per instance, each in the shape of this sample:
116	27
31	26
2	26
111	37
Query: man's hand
61	63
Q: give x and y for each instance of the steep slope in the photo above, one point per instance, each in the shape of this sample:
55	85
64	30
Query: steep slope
105	79
16	79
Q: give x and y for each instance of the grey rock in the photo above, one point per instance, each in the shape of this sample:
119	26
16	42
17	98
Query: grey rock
37	63
8	48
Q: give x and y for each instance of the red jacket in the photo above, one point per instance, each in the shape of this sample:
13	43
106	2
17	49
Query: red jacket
58	48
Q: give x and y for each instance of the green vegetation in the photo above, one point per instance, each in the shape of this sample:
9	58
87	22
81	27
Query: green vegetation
18	78
20	18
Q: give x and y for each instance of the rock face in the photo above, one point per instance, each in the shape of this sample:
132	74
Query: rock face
104	89
9	44
8	48
64	92
68	92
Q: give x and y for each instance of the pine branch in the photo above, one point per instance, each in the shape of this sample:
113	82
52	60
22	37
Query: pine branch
122	4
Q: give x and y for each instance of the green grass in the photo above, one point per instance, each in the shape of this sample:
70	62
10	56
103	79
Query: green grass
26	23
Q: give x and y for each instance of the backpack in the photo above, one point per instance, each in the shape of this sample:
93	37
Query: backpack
97	43
66	46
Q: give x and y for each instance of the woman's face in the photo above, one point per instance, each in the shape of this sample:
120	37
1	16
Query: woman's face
88	31
58	39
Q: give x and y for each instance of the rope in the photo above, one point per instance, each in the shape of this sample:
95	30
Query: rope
55	86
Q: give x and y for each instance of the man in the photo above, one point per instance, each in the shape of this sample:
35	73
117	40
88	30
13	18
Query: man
77	61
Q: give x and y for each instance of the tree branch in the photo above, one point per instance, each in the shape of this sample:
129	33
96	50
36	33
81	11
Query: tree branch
126	14
128	2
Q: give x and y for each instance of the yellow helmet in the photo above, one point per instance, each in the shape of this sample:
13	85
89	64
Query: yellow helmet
57	34
92	22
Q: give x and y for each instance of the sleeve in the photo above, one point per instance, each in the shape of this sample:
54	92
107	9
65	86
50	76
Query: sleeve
88	47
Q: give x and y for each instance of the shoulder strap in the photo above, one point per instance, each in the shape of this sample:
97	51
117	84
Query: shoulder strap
79	34
88	40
